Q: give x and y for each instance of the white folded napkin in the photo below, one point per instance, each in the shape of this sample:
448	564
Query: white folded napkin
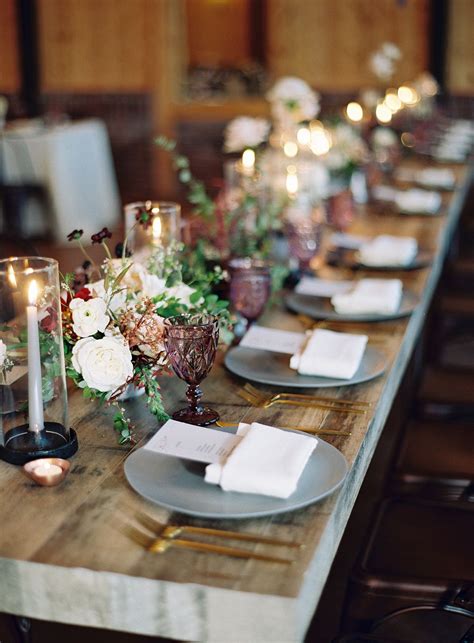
436	176
267	461
377	296
416	200
330	354
387	250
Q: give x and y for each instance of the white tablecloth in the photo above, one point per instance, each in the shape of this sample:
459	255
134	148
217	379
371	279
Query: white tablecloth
74	163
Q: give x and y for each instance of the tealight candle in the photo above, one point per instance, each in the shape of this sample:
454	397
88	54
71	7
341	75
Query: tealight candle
47	472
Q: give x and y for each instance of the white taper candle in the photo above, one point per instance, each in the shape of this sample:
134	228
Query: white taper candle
35	393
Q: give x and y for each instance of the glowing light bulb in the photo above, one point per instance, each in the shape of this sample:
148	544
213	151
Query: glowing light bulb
320	141
393	102
354	112
290	149
383	113
304	136
408	95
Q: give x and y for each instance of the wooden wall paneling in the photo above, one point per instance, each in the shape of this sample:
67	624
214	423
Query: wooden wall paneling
93	45
460	50
212	26
328	42
9	59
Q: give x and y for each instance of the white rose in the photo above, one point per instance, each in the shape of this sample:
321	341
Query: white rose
245	131
105	364
382	66
3	353
391	51
384	137
89	317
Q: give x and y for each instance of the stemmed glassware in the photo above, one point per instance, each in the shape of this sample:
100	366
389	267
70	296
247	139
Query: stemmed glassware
304	233
191	344
250	287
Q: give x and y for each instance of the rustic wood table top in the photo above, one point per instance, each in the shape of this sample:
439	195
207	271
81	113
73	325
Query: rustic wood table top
63	556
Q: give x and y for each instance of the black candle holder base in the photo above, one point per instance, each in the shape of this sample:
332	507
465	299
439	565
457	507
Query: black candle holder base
22	445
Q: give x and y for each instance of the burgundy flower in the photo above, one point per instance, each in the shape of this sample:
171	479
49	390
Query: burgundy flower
50	322
144	216
100	236
75	235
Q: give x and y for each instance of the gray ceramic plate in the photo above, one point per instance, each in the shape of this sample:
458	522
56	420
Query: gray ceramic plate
179	485
321	308
273	368
350	259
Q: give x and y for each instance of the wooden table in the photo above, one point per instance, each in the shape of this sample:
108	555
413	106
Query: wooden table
64	558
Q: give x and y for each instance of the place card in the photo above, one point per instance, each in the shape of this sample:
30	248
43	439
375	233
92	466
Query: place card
349	241
191	442
272	339
322	287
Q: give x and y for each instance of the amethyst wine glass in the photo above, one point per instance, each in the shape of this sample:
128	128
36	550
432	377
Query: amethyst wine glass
250	287
304	232
191	344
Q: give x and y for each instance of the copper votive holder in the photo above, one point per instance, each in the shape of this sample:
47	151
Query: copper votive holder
47	472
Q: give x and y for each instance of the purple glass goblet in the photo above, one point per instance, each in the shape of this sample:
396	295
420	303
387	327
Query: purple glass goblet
304	232
250	287
191	344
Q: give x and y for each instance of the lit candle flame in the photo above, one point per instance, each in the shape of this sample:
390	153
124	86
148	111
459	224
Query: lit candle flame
156	228
11	276
33	292
248	159
291	181
408	95
320	141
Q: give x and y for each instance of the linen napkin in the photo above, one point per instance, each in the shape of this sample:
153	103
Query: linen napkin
436	176
416	200
387	250
330	354
267	461
378	296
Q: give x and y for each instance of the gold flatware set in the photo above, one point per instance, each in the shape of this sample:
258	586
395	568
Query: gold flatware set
161	537
262	400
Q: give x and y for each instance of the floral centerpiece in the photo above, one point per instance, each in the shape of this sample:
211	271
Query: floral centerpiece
348	151
292	101
113	319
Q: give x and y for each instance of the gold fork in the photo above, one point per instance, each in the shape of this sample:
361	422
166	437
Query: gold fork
305	429
171	531
160	545
265	403
305	396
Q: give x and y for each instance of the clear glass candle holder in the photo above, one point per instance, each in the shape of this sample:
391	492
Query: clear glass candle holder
34	419
162	228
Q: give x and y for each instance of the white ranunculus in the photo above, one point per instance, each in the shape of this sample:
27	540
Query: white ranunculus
137	278
3	353
114	302
89	317
289	88
105	364
182	292
244	131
